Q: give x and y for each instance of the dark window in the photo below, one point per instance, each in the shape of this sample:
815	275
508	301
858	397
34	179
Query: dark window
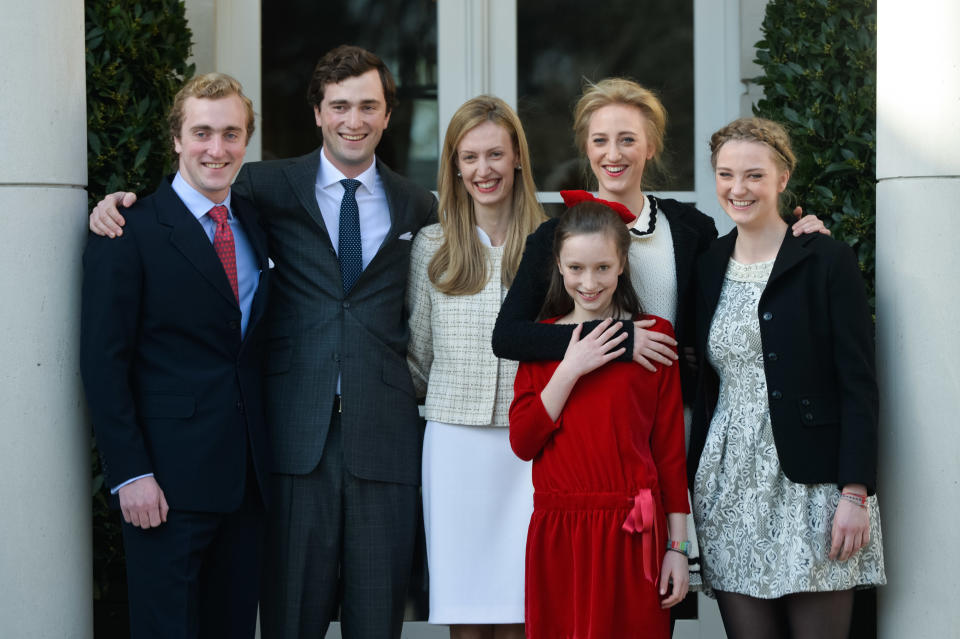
402	32
650	41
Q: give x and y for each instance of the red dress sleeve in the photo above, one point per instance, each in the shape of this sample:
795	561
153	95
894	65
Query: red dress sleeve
666	436
530	425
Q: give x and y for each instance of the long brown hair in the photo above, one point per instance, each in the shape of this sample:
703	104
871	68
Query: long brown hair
459	267
583	219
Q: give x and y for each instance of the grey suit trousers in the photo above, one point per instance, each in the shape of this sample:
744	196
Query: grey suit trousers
337	541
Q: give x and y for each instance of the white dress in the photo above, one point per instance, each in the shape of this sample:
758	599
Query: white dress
477	495
760	533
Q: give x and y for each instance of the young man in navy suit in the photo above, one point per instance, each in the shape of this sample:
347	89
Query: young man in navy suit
171	357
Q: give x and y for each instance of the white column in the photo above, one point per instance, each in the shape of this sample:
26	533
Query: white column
918	309
45	502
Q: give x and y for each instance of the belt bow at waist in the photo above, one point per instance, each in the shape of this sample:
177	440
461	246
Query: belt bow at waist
644	521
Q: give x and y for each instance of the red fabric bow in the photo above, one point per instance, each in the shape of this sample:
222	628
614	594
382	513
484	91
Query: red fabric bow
643	520
575	197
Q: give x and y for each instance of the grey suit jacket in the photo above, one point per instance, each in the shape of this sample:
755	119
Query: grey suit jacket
316	333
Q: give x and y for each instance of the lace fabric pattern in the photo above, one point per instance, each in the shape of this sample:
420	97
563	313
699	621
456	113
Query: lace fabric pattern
760	533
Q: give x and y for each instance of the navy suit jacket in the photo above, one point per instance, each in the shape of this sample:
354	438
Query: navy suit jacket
172	386
317	333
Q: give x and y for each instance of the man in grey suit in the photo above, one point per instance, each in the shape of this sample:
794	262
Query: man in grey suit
340	403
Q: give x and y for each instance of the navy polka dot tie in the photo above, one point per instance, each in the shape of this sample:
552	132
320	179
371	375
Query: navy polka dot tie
349	249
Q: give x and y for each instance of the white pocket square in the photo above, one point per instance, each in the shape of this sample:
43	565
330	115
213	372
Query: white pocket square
406	236
270	263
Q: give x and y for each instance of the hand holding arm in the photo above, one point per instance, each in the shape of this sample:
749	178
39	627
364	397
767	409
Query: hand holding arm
809	224
143	504
651	345
106	219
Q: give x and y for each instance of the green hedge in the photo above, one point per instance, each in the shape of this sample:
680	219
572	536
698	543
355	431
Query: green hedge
136	62
136	55
819	59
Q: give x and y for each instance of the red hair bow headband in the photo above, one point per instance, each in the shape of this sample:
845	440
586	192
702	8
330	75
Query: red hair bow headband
571	198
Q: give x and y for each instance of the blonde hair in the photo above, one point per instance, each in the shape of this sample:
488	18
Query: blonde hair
759	130
211	86
459	267
627	92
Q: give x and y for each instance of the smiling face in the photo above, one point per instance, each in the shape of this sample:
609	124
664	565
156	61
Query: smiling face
618	149
749	183
352	116
212	143
487	161
590	265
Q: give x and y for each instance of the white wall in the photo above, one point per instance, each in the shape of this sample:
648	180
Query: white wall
918	306
45	491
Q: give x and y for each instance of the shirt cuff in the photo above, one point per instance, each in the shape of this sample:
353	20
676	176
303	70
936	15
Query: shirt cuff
116	489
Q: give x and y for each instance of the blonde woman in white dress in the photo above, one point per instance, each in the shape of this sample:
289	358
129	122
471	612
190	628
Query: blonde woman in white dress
477	496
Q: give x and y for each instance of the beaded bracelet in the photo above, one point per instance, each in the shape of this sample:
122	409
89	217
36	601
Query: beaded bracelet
682	547
856	498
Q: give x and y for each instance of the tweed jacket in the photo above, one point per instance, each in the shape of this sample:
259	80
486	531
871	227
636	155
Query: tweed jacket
818	359
449	353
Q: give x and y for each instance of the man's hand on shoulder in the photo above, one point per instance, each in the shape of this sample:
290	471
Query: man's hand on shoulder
143	504
106	219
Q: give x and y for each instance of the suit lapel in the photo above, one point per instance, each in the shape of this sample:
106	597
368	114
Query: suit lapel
396	200
302	176
793	250
188	237
713	268
258	241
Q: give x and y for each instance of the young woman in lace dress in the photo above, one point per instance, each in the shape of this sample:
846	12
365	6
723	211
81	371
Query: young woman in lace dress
783	445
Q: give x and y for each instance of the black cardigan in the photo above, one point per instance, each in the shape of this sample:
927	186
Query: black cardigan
818	357
518	336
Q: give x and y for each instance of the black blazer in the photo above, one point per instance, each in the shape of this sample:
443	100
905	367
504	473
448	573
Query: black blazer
315	332
171	386
518	336
818	356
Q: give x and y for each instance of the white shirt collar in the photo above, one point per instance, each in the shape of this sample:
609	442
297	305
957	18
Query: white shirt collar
195	201
328	174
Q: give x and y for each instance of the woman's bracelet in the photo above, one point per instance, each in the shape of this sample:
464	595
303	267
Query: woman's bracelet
856	498
682	547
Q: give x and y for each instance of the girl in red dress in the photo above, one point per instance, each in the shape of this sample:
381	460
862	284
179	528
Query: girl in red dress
606	439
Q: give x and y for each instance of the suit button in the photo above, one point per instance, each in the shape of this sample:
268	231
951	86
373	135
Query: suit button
776	394
804	402
772	357
767	316
808	417
346	304
240	405
233	324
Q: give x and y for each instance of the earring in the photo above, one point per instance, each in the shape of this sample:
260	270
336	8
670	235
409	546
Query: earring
517	167
458	174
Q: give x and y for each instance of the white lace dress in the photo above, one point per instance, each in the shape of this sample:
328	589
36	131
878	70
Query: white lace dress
760	533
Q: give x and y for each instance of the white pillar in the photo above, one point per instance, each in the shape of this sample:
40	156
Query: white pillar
45	503
918	309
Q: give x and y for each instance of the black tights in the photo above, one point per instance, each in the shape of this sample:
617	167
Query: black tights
806	615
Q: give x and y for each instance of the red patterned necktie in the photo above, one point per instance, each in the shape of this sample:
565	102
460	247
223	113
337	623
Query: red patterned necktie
223	245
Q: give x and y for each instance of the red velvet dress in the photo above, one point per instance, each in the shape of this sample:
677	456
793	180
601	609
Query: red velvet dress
604	475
